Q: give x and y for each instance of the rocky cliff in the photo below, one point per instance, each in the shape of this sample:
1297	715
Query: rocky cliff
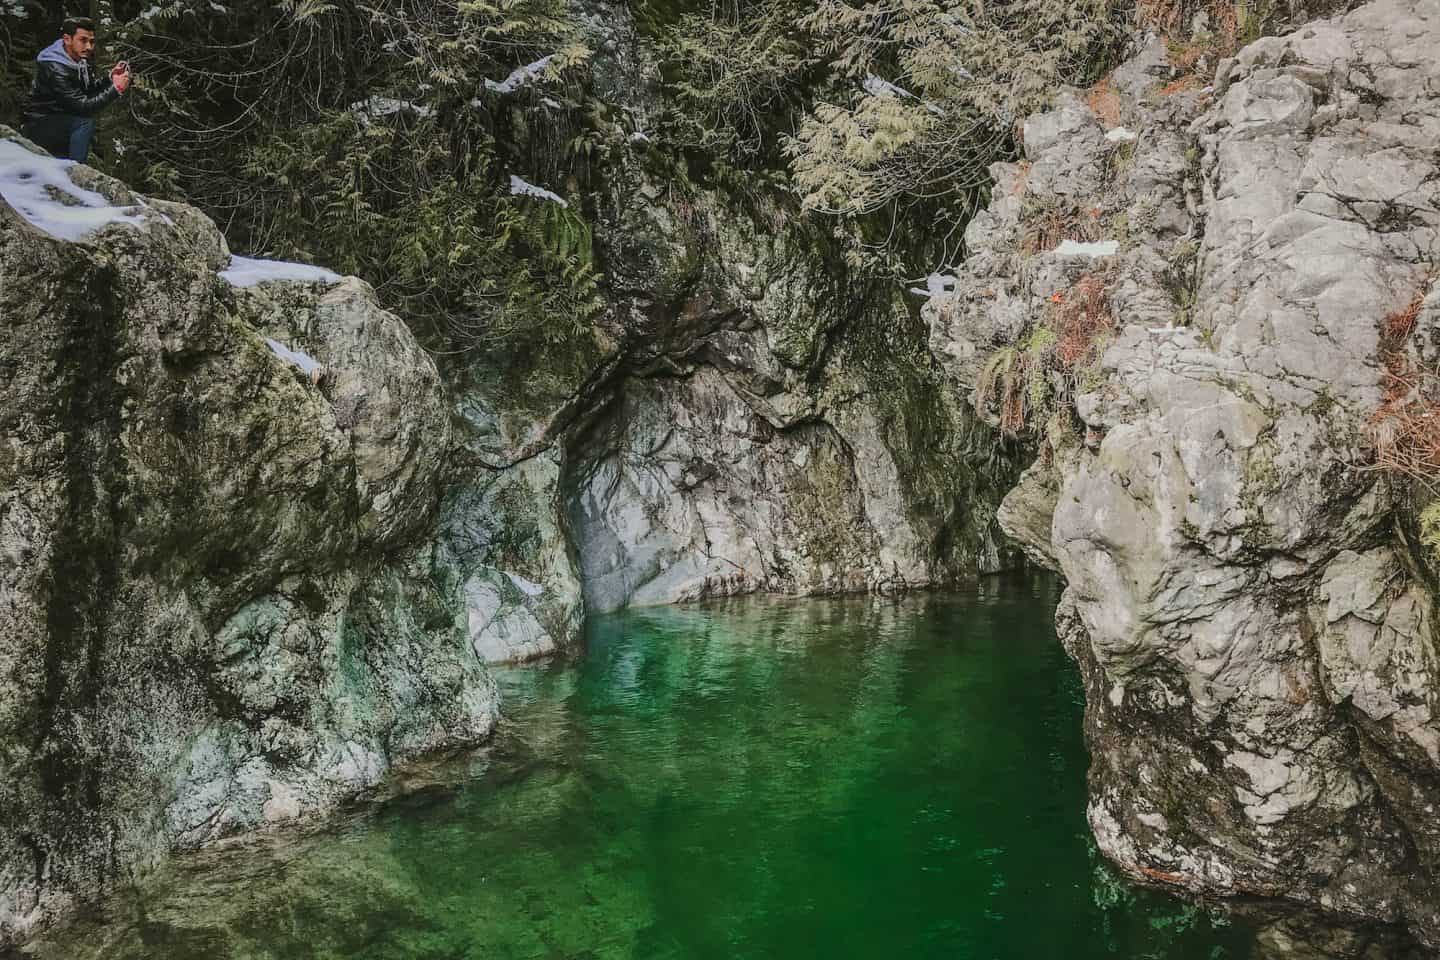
745	414
258	547
1211	305
217	606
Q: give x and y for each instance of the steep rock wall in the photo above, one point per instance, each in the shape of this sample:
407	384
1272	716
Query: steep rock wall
732	421
774	448
1256	637
217	607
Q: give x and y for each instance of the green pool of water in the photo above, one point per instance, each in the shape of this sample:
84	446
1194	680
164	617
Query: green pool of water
850	778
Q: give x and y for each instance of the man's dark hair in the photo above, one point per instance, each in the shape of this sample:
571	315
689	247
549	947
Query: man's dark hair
76	23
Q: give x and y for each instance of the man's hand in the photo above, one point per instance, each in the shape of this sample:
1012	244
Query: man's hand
120	76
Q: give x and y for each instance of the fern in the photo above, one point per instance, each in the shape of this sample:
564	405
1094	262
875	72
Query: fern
935	89
304	11
735	77
1430	530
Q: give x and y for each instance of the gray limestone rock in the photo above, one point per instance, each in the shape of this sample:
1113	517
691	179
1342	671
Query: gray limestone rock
1258	648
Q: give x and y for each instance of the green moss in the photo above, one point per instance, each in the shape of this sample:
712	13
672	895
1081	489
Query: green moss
1261	479
1038	347
1182	279
1091	377
1252	18
1041	339
827	491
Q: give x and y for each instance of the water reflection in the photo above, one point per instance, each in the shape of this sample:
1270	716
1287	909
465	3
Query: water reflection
849	778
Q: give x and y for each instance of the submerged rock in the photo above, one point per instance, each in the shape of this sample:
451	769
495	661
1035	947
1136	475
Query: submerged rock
1257	641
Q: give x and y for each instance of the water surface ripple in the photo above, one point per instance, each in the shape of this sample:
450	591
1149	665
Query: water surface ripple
840	778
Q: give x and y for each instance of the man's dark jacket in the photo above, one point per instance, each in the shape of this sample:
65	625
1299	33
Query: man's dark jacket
63	86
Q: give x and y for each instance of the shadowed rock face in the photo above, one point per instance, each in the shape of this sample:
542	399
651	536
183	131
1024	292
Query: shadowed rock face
216	608
1257	641
731	475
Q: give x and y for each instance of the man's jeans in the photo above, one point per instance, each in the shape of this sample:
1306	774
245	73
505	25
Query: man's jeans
65	136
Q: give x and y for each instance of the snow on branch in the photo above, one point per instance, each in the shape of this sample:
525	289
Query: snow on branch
521	76
522	188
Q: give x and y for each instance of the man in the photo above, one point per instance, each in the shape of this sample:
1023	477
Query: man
64	100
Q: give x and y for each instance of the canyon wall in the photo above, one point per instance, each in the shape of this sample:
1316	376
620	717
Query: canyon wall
257	545
1233	311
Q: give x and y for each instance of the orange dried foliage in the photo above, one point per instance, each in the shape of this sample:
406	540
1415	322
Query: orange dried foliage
1173	16
1022	177
1191	82
1106	103
1396	328
1043	229
1227	24
1009	381
1187	56
1161	876
1163	15
1005	382
1015	398
1184	51
1082	317
1406	427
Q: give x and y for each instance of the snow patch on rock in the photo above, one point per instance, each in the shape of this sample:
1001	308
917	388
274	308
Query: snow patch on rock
300	358
39	188
247	272
1074	248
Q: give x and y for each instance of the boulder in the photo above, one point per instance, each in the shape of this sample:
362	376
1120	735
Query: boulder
218	606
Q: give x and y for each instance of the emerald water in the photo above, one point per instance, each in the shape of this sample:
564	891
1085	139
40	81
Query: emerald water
847	778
